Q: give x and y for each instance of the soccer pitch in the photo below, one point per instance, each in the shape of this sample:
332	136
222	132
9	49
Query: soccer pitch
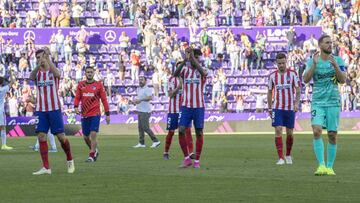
234	168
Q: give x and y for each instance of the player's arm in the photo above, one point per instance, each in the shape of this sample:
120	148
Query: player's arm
179	68
197	65
77	99
52	67
105	103
269	95
297	99
339	73
310	68
34	73
172	92
269	101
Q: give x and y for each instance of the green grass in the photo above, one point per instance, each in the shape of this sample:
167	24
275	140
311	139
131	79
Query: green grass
234	169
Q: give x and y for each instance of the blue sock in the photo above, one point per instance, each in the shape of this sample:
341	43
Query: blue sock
319	150
331	154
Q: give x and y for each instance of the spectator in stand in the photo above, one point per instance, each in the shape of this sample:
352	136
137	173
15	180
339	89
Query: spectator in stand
119	21
239	104
111	10
25	91
60	43
109	82
23	64
234	52
63	19
78	73
135	65
68	43
122	69
29	107
124	42
222	78
13	106
31	56
216	89
54	13
53	49
82	35
223	103
99	6
77	11
156	82
291	38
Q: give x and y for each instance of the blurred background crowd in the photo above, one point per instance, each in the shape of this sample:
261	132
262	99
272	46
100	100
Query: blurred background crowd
238	66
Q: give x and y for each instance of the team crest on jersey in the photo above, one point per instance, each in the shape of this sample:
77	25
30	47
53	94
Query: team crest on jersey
94	88
288	80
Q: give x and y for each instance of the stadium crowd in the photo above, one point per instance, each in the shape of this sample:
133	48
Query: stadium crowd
157	51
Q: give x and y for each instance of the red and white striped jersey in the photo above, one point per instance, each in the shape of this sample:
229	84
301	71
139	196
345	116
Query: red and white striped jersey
174	102
284	89
47	92
193	87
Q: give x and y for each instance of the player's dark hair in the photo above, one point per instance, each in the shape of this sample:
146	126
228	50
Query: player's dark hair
280	56
89	67
321	39
2	80
39	51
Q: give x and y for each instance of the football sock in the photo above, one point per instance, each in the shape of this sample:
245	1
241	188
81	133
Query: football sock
92	154
52	140
3	137
183	145
289	144
189	140
319	150
279	146
199	145
168	140
66	147
331	154
44	153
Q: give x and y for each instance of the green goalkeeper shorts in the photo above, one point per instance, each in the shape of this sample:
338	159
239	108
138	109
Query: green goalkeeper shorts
327	117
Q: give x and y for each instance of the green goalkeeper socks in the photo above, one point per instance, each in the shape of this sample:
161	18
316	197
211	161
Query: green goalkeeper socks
319	150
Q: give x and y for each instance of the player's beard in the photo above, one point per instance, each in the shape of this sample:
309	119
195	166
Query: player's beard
90	79
326	51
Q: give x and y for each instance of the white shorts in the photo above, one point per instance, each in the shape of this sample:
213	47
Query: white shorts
2	119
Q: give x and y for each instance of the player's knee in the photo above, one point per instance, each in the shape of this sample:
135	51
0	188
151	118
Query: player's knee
317	132
332	137
181	130
199	132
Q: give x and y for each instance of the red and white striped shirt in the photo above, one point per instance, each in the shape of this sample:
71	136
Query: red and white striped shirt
194	87
284	89
174	102
47	92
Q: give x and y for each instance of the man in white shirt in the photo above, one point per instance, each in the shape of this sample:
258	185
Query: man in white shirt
4	89
143	108
13	107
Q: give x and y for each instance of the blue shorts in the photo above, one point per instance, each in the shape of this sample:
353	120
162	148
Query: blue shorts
89	124
196	115
52	120
283	118
172	121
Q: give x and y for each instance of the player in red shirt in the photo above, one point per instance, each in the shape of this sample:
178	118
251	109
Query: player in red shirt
89	92
283	104
175	99
193	108
48	110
